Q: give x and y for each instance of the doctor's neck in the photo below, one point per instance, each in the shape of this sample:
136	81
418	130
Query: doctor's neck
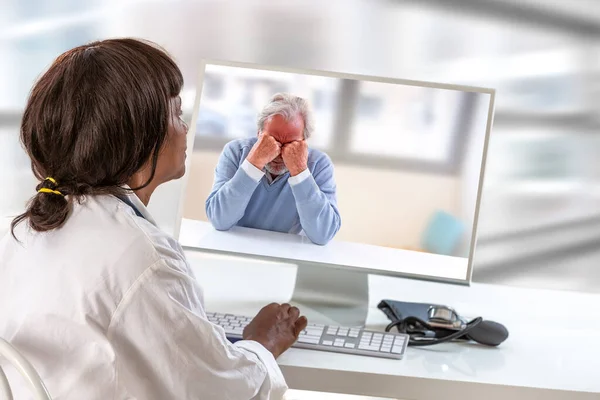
143	194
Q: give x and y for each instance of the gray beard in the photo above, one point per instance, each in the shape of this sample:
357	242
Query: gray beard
275	172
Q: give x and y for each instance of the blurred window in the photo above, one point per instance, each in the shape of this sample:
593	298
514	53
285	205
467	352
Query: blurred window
400	122
404	121
232	97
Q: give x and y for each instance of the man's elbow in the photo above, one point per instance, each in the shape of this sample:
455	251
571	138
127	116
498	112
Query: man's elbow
220	225
323	240
217	223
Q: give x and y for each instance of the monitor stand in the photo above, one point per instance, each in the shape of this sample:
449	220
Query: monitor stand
331	296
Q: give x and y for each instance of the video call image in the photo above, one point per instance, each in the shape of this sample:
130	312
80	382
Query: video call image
386	164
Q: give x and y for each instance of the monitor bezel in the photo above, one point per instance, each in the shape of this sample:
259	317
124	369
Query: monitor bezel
360	77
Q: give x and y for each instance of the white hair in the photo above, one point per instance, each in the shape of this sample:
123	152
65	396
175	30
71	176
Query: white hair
288	106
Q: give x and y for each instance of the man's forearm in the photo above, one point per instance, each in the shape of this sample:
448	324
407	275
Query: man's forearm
227	205
320	220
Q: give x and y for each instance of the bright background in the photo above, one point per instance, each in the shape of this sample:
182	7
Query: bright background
540	216
402	154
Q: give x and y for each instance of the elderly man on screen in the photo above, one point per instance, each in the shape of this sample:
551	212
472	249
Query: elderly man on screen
274	181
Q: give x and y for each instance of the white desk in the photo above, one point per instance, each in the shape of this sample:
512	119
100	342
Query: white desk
540	360
283	246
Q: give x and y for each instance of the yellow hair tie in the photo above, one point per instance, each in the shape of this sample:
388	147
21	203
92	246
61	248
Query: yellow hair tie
46	190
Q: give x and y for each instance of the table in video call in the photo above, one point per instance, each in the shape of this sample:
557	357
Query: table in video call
282	246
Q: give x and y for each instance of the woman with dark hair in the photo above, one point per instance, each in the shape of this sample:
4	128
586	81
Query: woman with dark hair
101	301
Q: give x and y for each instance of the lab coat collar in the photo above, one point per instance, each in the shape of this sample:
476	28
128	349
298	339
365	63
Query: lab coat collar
141	208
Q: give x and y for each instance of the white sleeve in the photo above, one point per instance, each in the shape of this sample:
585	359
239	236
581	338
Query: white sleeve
298	179
166	348
254	173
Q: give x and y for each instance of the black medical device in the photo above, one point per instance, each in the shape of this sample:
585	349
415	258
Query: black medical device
429	324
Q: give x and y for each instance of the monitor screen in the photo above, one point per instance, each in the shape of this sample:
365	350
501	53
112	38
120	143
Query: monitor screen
329	168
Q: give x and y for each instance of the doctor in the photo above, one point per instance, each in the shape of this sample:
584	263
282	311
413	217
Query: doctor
101	301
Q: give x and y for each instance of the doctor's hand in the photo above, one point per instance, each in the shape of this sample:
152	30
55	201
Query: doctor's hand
295	156
276	327
265	150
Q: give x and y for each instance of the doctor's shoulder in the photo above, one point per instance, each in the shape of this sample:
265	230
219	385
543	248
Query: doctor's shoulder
131	244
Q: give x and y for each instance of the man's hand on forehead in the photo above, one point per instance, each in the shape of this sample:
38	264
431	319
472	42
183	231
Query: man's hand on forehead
295	156
265	150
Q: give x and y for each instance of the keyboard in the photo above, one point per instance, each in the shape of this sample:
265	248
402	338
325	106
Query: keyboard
337	339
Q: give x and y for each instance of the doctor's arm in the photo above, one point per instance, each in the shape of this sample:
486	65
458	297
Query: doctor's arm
233	187
167	349
316	202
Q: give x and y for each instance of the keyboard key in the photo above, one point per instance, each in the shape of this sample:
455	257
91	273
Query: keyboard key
349	345
343	332
367	335
327	342
397	349
353	333
386	349
332	330
318	338
378	336
308	340
313	331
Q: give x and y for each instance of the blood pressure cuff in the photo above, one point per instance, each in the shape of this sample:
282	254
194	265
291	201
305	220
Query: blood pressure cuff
400	310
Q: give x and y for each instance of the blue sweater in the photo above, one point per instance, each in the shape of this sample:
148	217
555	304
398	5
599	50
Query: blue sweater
237	199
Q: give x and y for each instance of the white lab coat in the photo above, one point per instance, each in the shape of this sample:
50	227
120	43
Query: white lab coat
107	307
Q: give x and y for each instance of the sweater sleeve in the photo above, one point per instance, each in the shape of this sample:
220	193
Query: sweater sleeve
316	202
232	189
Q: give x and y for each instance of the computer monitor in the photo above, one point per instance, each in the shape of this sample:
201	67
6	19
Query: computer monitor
386	179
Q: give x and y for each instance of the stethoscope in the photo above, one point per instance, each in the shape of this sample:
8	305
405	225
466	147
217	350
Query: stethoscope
130	204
